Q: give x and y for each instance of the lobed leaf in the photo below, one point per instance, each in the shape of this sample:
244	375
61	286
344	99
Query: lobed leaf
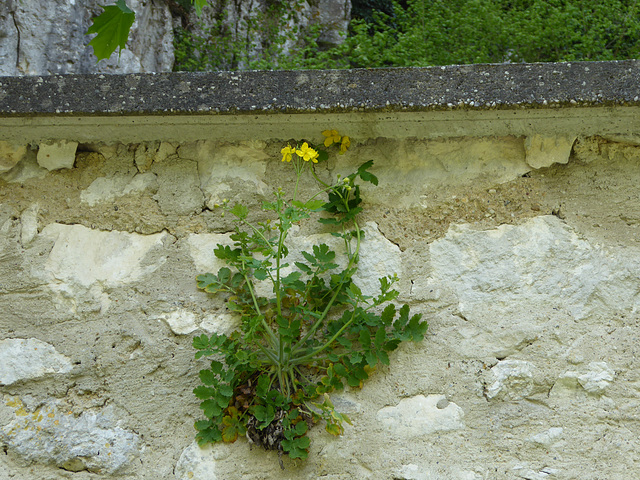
112	28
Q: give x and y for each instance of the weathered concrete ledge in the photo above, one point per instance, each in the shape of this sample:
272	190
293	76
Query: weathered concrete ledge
394	89
479	100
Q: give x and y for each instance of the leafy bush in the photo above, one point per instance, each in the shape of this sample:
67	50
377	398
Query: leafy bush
423	33
317	332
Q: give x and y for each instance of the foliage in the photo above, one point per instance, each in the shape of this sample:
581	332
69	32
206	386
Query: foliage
112	29
318	331
401	34
415	33
259	40
491	31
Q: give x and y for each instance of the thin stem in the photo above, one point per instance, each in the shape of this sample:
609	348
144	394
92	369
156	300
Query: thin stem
352	261
312	354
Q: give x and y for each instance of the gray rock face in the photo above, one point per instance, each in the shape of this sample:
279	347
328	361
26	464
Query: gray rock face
42	37
250	24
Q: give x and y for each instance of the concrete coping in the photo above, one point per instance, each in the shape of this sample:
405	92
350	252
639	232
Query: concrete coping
467	87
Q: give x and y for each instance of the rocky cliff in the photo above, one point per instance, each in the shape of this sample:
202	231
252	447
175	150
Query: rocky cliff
46	37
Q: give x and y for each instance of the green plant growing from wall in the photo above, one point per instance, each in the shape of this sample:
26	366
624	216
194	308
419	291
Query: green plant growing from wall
271	380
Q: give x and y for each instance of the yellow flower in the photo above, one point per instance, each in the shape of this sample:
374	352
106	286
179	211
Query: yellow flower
307	153
346	143
287	152
332	137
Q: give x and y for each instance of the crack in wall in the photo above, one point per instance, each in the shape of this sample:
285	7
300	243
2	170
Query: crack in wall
15	23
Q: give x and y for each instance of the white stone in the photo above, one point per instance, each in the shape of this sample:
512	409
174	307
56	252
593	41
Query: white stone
594	380
29	224
10	155
106	189
412	471
82	256
513	379
201	247
598	378
57	155
25	359
544	151
52	434
196	463
223	323
181	322
510	280
420	415
548	437
165	150
378	258
246	162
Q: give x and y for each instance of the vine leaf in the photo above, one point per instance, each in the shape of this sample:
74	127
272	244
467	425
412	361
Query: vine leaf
198	4
112	27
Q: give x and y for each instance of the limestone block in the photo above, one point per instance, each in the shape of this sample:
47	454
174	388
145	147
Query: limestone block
29	224
542	151
106	189
196	462
594	379
144	155
510	280
181	322
201	247
179	190
82	257
25	359
412	471
420	415
221	323
220	164
53	435
513	379
57	155
379	258
548	437
10	155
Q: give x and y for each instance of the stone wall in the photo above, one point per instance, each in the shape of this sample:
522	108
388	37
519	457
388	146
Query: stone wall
514	231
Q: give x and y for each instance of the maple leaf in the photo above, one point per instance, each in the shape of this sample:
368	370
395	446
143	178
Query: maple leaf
112	28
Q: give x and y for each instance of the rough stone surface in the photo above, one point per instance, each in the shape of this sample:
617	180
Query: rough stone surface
477	87
544	151
25	50
84	257
57	155
10	155
420	415
26	359
52	435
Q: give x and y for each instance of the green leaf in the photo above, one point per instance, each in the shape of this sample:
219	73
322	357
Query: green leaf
198	4
226	391
240	211
365	175
112	28
301	428
340	369
314	205
201	342
208	377
203	392
210	435
211	408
